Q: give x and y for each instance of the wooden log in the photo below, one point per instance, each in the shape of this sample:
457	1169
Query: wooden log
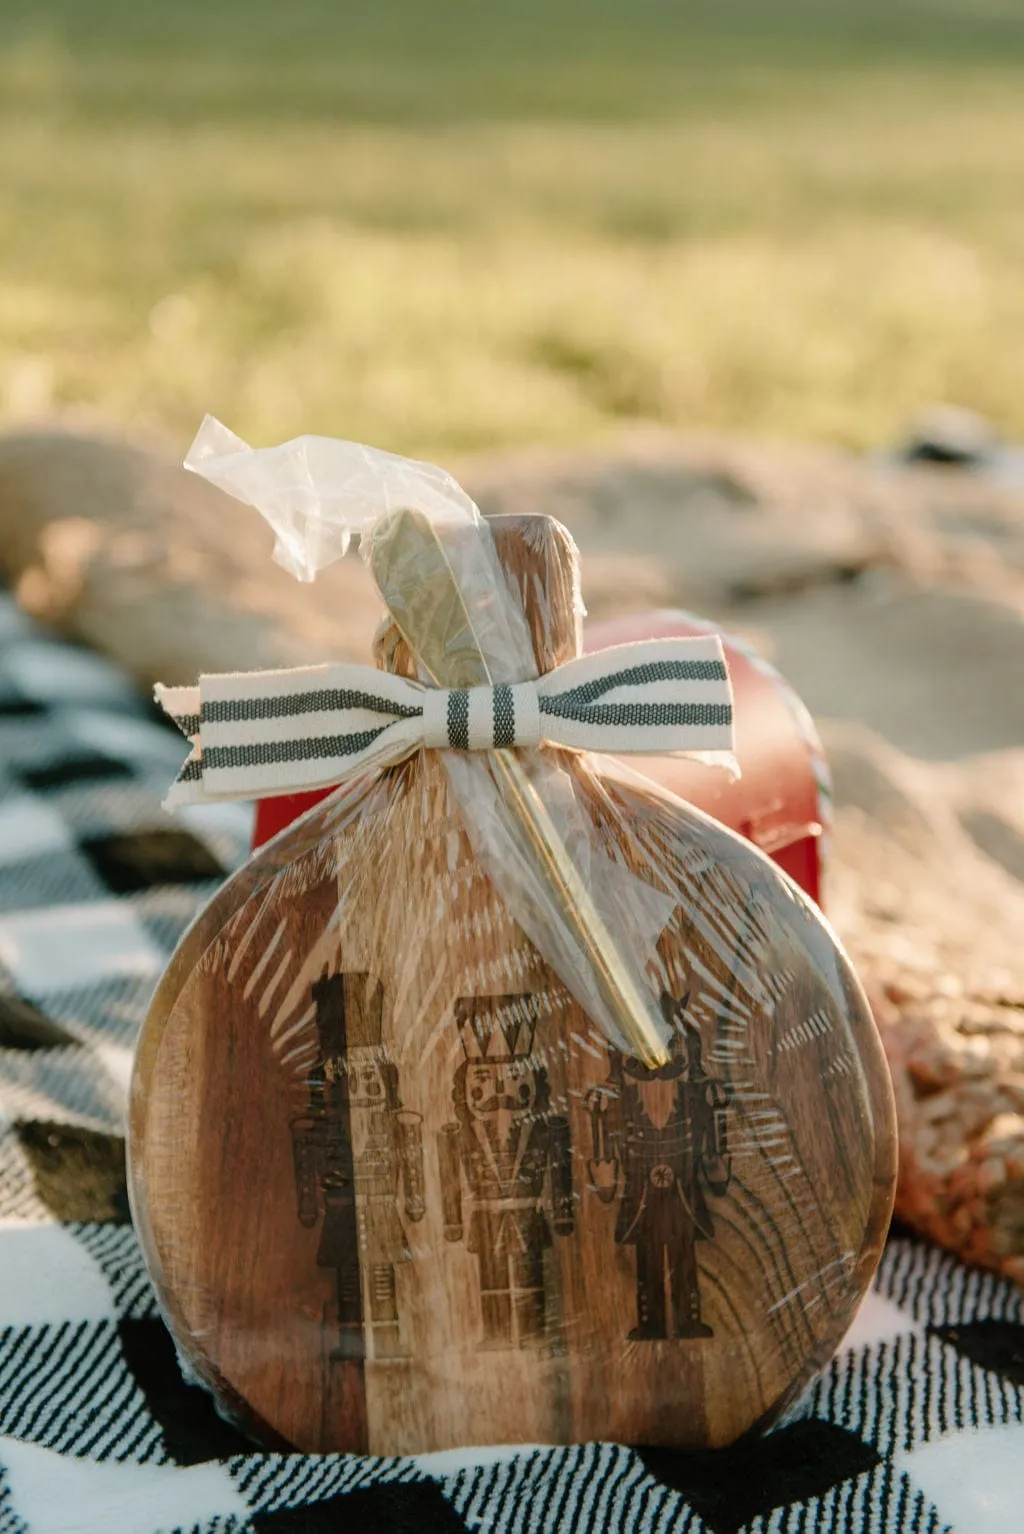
399	1193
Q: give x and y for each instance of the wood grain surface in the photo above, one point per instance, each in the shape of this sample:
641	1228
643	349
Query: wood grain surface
398	1193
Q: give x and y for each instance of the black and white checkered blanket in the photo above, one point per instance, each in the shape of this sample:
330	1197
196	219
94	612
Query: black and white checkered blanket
915	1426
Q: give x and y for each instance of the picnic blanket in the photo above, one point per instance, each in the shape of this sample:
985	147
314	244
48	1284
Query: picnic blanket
914	1428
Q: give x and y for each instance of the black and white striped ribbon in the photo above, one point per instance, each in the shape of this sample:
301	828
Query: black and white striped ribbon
262	733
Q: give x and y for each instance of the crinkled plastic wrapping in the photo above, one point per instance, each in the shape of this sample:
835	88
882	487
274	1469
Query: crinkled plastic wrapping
402	1186
315	492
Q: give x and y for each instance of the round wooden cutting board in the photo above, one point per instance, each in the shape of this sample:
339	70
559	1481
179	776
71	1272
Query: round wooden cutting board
398	1193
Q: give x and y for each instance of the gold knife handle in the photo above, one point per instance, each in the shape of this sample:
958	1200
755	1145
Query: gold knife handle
414	575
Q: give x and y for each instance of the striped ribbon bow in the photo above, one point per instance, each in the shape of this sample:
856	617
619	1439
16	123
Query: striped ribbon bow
261	733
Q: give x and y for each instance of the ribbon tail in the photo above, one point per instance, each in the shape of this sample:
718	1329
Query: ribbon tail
260	735
182	705
187	788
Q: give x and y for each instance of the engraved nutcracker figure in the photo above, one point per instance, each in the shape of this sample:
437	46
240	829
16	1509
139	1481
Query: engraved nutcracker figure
359	1156
511	1151
659	1141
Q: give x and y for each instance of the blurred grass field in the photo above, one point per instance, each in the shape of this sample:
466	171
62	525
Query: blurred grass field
439	226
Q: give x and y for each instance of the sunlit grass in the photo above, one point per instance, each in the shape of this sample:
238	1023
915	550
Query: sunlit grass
799	244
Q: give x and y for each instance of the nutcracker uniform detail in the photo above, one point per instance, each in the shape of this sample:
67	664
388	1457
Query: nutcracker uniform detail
513	1157
659	1142
359	1156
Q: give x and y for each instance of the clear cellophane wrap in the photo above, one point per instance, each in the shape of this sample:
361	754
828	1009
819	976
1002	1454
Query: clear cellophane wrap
404	1178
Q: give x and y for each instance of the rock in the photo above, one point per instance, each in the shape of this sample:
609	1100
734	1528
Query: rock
946	434
122	549
948	994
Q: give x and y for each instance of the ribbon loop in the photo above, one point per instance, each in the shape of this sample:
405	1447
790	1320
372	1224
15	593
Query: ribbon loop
258	734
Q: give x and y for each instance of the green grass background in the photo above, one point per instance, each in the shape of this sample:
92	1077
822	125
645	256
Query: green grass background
440	226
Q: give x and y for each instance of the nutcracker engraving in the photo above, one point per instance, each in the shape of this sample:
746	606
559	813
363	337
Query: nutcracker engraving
659	1147
359	1162
513	1157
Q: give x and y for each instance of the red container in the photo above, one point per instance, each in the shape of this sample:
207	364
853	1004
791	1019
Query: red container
781	801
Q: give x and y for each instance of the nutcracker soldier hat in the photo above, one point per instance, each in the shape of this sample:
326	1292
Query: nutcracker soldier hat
496	1029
